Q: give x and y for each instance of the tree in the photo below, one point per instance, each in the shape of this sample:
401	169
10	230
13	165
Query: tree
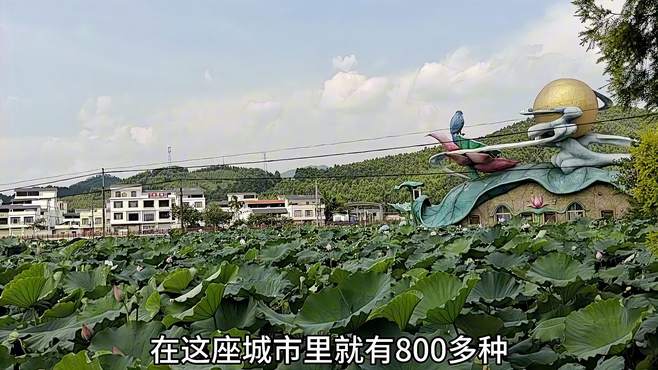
191	216
262	220
215	216
628	45
640	174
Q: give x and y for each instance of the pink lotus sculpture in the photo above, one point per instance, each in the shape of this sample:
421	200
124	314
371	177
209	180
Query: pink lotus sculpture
537	201
486	162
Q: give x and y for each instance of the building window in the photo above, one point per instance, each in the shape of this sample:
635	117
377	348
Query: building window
149	216
118	216
416	193
133	193
165	215
474	219
550	218
117	194
15	220
527	216
133	204
133	216
98	220
503	214
308	213
3	221
85	221
163	203
575	211
28	220
248	196
607	213
198	204
118	204
149	204
298	213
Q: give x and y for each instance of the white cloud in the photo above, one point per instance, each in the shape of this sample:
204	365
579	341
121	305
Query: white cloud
345	63
263	111
142	135
351	91
207	75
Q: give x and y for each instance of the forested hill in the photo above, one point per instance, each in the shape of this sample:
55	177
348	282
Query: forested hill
351	182
380	189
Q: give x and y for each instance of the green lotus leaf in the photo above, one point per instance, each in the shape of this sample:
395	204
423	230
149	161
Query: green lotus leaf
479	325
78	361
133	339
495	286
41	337
549	330
505	260
601	328
444	296
458	247
544	356
344	306
559	269
88	281
68	250
231	314
261	281
572	367
224	274
613	363
151	307
178	280
6	359
206	307
25	292
398	309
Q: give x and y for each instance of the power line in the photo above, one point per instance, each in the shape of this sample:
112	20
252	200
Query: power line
344	153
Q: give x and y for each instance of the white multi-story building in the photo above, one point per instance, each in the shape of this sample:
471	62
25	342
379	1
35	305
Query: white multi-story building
304	208
32	209
132	209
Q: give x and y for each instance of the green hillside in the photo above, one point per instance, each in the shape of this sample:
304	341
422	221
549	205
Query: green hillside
217	181
381	189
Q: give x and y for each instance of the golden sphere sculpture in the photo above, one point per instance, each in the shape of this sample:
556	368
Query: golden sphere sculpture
568	92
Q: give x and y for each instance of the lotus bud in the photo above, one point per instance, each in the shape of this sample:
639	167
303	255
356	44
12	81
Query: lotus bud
433	233
87	332
599	255
242	242
117	351
170	259
328	247
628	289
139	268
117	292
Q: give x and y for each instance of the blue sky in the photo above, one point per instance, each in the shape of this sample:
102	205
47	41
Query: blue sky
98	83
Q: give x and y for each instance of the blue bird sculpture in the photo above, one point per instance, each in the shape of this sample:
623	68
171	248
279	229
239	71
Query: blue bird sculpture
456	124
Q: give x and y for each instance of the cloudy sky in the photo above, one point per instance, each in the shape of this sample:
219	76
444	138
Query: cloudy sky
90	84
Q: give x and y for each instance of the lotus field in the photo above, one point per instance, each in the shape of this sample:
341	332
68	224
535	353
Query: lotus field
571	296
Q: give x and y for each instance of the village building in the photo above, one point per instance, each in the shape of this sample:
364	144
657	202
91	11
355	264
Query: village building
34	210
134	210
304	209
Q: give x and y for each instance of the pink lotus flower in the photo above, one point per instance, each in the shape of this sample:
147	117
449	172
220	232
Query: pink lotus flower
87	332
537	201
117	292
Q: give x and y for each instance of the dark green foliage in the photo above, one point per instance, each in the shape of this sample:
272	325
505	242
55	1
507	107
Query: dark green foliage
628	46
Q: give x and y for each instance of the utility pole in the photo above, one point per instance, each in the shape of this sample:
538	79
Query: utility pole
265	161
317	217
103	190
169	155
182	223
